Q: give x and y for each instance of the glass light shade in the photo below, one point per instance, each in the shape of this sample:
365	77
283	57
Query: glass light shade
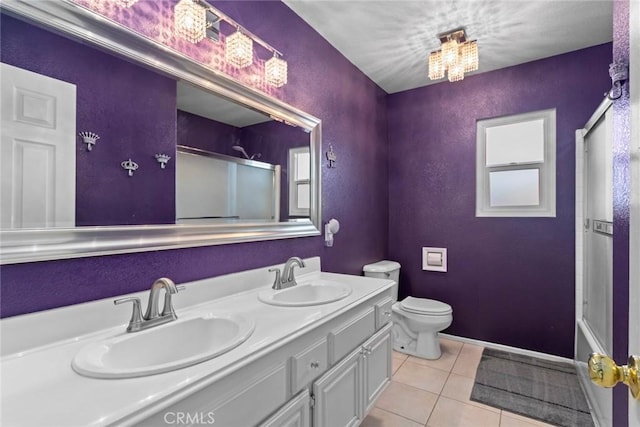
450	52
436	67
275	71
190	20
239	50
469	52
456	71
126	3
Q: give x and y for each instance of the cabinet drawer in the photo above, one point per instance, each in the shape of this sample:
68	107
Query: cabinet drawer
308	365
383	312
351	334
296	413
248	402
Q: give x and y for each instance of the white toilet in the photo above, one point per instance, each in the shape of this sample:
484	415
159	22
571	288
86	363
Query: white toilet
416	321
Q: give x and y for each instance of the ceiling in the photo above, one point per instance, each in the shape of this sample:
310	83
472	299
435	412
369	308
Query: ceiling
390	41
202	103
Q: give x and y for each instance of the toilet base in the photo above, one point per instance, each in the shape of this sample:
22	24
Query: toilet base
425	346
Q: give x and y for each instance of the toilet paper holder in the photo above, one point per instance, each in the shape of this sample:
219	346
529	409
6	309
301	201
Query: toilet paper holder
434	259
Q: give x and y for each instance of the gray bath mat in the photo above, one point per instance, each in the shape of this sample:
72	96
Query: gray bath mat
541	389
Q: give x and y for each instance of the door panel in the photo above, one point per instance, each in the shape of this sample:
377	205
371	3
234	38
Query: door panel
37	156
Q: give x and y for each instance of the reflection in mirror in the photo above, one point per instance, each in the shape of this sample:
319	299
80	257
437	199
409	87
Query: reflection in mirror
137	114
217	126
209	187
129	97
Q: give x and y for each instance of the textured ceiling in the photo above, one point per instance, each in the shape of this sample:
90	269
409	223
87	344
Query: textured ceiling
390	41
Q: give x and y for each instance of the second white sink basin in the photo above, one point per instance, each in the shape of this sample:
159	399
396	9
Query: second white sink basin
312	293
164	348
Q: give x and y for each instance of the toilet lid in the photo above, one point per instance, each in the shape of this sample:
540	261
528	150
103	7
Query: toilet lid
425	306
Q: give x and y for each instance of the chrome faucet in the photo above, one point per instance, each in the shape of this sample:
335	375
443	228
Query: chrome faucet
152	317
287	278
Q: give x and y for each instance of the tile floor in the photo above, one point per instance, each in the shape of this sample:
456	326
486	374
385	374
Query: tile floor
435	393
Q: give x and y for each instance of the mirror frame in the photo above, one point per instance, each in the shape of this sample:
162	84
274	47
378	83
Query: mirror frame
79	23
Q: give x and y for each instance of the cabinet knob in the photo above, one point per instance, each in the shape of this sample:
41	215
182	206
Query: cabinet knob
387	313
315	365
366	350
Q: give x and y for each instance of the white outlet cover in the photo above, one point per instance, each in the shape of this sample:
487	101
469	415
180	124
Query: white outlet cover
429	267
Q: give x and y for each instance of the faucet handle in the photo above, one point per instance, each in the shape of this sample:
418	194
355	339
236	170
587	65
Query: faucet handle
136	314
277	282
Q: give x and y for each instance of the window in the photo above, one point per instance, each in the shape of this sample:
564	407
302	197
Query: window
516	165
299	181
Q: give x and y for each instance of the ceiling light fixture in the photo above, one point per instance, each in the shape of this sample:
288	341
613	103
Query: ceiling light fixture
190	21
456	56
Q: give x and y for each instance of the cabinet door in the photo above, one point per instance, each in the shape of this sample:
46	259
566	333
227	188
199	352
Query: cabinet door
296	413
338	394
376	366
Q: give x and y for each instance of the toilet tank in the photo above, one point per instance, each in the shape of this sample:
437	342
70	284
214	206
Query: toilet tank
385	270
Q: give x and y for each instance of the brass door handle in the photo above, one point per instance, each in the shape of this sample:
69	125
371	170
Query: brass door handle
605	373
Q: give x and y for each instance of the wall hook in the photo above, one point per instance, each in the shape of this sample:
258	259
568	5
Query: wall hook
162	159
619	73
130	166
89	138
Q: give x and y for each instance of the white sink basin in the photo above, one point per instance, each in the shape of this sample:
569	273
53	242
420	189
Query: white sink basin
312	293
164	348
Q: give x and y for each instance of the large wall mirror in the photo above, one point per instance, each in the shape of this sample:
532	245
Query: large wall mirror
243	166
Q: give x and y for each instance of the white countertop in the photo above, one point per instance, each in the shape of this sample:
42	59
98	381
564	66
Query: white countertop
39	387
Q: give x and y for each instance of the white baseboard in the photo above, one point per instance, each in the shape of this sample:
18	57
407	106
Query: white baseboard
510	349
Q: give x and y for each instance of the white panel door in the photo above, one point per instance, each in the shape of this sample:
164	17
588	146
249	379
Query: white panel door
634	252
377	366
38	150
338	394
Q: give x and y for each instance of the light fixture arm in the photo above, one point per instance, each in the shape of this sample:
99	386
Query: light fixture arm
224	17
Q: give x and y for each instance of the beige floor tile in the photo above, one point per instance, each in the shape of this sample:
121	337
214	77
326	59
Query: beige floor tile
396	362
399	355
451	413
422	377
459	388
380	418
450	350
509	419
407	401
468	359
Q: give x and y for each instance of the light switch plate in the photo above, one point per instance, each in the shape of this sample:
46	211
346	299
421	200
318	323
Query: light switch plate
434	266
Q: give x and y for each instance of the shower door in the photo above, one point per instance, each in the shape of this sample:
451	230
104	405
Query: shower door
594	251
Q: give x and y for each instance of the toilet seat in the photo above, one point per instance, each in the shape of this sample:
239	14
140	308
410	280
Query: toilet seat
425	306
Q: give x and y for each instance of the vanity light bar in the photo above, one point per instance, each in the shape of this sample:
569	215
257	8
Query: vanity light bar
220	16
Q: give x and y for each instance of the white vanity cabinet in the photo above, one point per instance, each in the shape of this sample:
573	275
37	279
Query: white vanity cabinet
296	413
322	365
346	393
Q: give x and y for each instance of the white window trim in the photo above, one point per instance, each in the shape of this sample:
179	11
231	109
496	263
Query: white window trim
293	183
547	206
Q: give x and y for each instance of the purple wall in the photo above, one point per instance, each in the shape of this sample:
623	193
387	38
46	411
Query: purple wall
134	120
509	280
321	82
621	210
